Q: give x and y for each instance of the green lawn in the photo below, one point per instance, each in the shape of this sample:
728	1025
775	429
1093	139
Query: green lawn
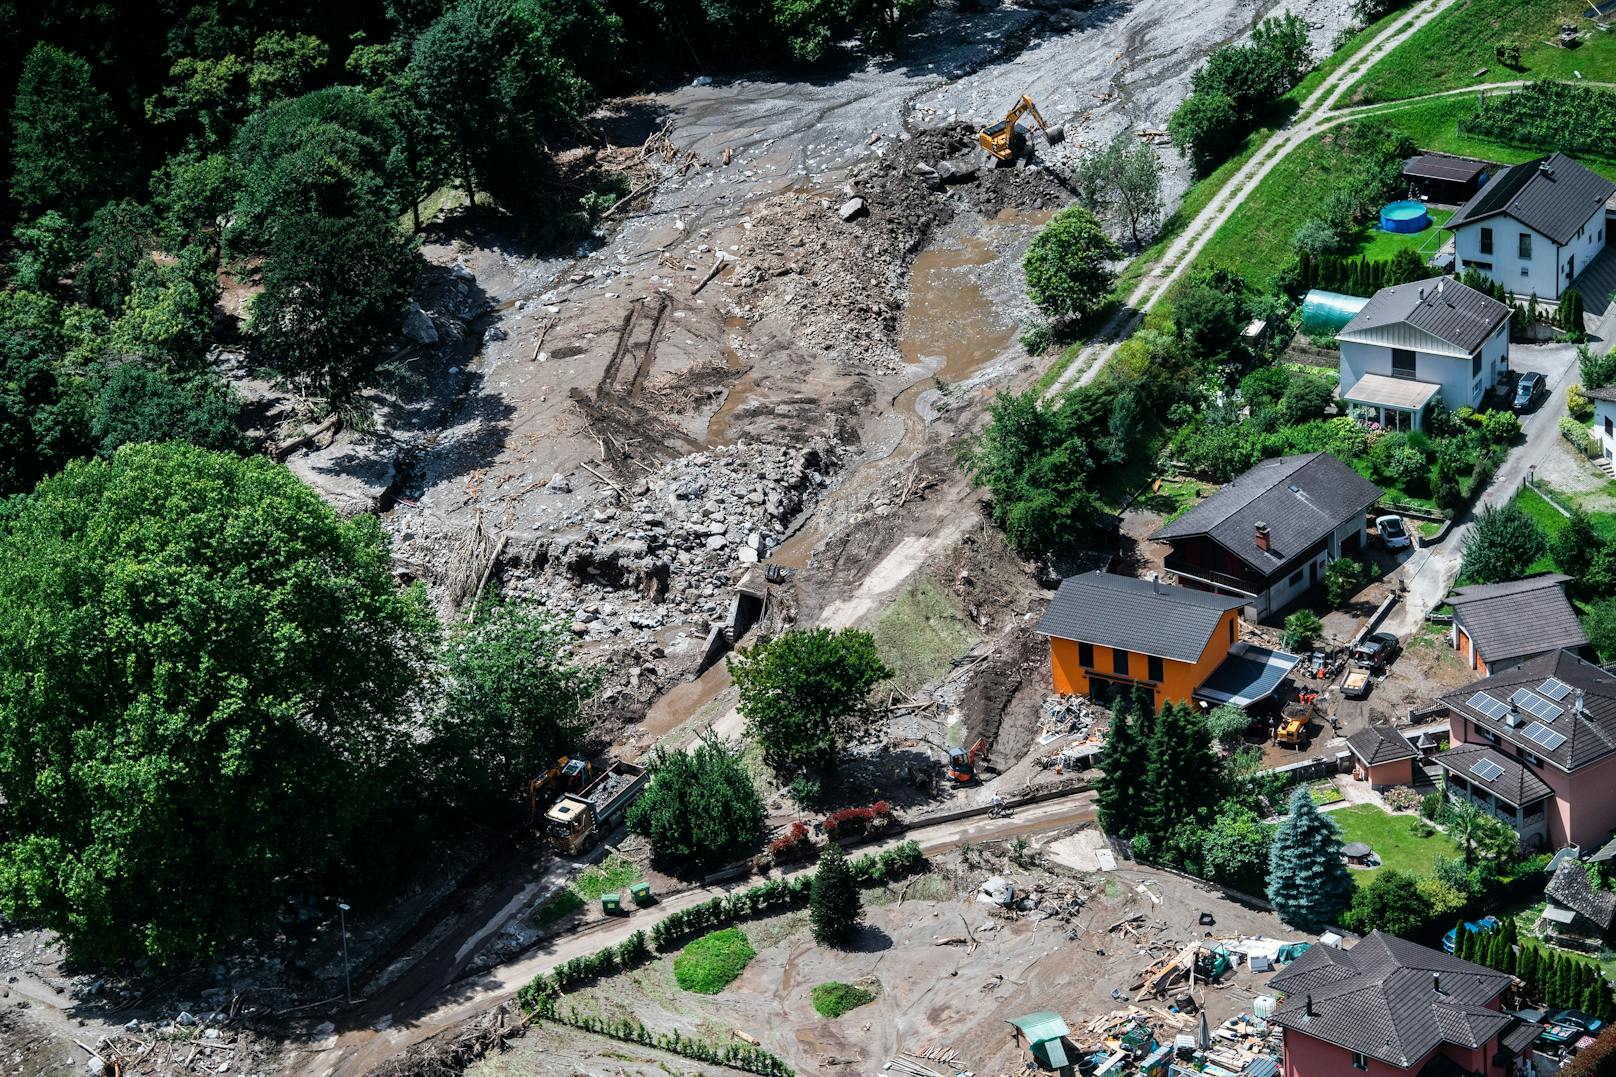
613	873
1377	244
1256	239
1447	53
1174	497
834	999
1324	793
709	964
1392	837
1333	61
1547	517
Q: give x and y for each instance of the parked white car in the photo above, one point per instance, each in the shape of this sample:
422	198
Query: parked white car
1393	535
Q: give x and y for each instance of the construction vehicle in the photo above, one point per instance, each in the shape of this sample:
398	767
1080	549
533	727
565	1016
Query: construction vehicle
1293	725
577	821
1005	142
962	761
567	776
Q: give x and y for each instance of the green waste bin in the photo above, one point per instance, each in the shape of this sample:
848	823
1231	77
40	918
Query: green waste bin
611	902
641	893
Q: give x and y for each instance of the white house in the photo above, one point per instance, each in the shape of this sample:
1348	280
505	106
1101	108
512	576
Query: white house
1417	341
1604	428
1534	227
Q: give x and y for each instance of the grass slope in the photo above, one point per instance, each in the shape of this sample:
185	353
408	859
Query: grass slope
1447	53
613	873
1392	838
922	633
712	962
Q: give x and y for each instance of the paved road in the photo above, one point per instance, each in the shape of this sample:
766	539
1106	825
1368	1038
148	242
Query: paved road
358	1050
1317	112
1429	574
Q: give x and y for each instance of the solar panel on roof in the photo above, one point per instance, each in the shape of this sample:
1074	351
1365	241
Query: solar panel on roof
1486	704
1536	705
1555	689
1540	734
1486	770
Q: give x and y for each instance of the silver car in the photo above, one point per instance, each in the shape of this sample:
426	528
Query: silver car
1393	535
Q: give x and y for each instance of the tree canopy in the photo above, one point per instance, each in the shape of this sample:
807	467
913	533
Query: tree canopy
1307	882
805	694
702	806
1067	264
1501	545
205	685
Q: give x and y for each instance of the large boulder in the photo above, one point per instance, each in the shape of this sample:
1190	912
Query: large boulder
418	326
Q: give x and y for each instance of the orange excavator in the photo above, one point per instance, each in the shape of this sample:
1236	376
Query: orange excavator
1004	142
567	776
962	761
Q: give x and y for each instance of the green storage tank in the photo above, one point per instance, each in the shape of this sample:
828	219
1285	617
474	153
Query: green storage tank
1328	312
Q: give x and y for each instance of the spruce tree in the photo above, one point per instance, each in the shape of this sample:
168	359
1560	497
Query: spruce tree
1510	960
1526	969
834	906
1461	941
1307	882
1180	771
1120	762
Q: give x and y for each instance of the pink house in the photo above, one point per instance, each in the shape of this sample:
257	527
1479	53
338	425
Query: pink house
1535	745
1389	1006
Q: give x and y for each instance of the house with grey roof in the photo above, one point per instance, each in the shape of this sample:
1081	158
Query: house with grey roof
1388	1005
1267	536
1534	745
1534	227
1382	756
1112	636
1578	913
1497	624
1414	343
1604	426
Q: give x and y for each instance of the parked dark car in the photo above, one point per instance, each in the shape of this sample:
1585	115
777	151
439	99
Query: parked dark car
1529	391
1577	1019
1376	652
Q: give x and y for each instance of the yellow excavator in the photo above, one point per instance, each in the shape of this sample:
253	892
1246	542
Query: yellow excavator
567	776
1000	139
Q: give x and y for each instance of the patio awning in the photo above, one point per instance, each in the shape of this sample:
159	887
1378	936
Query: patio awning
1379	391
1558	914
1249	674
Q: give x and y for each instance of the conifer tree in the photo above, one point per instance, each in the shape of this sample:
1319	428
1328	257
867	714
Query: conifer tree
1526	969
1461	942
1122	772
1307	882
834	906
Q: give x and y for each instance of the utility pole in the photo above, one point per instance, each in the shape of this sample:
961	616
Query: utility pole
347	984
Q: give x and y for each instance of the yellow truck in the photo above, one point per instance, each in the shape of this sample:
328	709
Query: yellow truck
576	821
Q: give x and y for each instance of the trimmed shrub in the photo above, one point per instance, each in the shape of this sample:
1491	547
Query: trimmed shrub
712	962
834	999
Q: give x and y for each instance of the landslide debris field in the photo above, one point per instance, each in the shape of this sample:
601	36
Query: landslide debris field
747	373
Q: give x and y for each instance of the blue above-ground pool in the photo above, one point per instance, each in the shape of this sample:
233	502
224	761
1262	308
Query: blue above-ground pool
1404	217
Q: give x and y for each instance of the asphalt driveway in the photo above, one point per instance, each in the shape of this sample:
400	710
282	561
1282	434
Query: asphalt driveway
1428	575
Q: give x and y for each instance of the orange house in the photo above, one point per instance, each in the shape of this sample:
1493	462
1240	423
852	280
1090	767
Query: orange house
1113	635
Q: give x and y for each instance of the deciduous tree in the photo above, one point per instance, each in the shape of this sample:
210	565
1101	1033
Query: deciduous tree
1501	545
1067	265
513	697
702	806
207	677
65	146
806	694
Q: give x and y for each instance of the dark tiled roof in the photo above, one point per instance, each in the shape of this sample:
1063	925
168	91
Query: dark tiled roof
1300	498
1376	744
1382	999
1516	784
1554	196
1589	735
1440	306
1521	1037
1136	615
1518	618
1603	392
1572	888
1445	166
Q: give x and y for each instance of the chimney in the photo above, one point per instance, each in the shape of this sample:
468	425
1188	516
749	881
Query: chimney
1578	698
1262	535
1155	582
1436	982
1308	1004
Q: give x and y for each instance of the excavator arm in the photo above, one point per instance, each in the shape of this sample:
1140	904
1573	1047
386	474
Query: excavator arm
998	139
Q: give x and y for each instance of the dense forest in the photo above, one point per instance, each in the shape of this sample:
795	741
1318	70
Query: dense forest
157	150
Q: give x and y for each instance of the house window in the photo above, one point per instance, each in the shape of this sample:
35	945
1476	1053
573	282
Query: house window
1526	247
1533	811
1480	267
1610	427
1402	363
1231	631
1154	668
1488	735
1532	759
1525	272
1119	661
1085	655
1360	1061
1296	578
1475	365
1486	241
